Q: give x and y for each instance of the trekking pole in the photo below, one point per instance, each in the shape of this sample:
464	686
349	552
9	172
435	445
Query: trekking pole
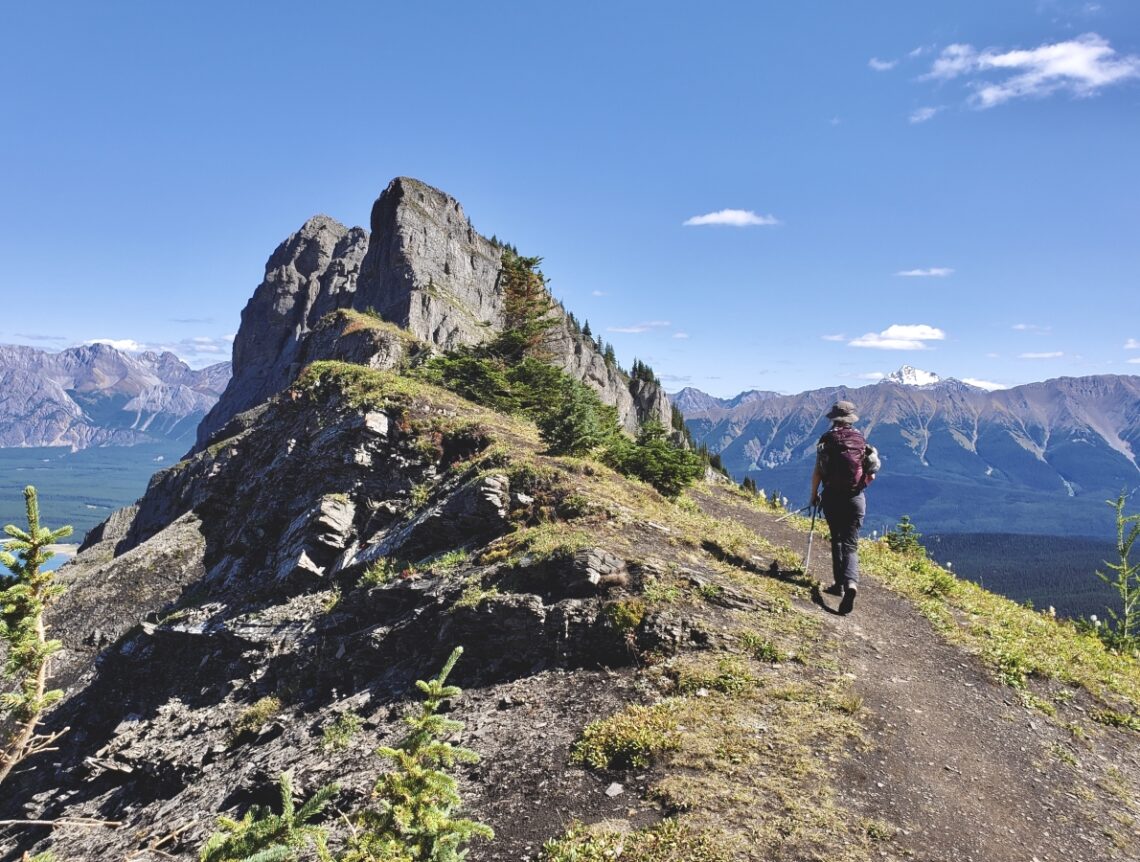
811	533
796	512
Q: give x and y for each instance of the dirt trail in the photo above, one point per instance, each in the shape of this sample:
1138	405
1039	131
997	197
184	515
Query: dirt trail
956	761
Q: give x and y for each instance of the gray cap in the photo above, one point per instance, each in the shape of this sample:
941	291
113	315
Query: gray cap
843	411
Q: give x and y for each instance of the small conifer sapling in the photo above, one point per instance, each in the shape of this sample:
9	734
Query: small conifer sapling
413	819
24	596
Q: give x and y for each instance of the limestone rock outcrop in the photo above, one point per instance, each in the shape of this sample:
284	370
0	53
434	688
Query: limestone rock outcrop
422	268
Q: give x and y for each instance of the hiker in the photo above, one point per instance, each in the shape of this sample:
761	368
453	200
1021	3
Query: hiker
845	464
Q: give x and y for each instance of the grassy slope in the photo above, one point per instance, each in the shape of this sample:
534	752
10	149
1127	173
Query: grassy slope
741	737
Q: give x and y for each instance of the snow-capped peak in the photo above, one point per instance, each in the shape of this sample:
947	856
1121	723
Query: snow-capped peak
908	375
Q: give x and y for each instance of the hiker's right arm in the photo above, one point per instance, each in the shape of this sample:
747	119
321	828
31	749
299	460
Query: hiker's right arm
816	478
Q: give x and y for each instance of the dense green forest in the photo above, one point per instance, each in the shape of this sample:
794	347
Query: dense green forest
1057	571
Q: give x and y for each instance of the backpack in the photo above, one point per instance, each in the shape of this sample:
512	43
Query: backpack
847	461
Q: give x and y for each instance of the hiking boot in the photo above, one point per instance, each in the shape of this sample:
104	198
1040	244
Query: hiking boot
834	590
848	603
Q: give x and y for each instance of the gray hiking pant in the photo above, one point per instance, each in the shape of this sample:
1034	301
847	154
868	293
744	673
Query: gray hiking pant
844	516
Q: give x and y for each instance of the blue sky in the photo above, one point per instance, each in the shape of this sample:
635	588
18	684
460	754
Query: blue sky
154	155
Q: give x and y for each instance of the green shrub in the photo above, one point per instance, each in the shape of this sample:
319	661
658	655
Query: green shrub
337	734
666	841
626	615
253	718
629	739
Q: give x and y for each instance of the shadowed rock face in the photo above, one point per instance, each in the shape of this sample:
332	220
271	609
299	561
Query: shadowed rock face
423	268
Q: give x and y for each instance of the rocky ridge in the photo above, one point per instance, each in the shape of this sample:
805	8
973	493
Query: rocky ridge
95	395
421	267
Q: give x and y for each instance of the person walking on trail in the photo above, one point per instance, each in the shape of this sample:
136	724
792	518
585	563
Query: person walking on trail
845	465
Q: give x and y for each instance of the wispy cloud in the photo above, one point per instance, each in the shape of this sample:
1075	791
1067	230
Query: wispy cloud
988	385
196	320
1082	67
1032	327
1130	344
932	272
882	65
597	293
900	336
731	218
35	337
680	335
1134	361
921	115
638	328
870	375
1053	354
839	337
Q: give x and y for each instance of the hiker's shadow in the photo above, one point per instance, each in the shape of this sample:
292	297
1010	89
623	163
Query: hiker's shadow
802	579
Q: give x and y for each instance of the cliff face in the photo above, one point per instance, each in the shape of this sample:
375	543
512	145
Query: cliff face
96	395
423	268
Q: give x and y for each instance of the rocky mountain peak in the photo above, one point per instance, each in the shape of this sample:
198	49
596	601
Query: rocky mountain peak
908	375
423	268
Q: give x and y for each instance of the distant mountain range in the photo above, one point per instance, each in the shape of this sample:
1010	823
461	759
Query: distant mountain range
96	395
1039	458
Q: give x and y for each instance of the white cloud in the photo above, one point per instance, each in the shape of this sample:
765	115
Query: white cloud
839	337
988	385
1132	344
1134	361
731	218
900	337
680	335
638	328
835	121
1032	327
1054	354
597	293
919	51
882	65
1081	66
128	345
871	375
921	115
932	272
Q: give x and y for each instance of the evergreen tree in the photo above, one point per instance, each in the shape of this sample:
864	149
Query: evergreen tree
1125	578
656	459
528	308
24	596
579	422
586	330
262	836
609	355
413	821
904	538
